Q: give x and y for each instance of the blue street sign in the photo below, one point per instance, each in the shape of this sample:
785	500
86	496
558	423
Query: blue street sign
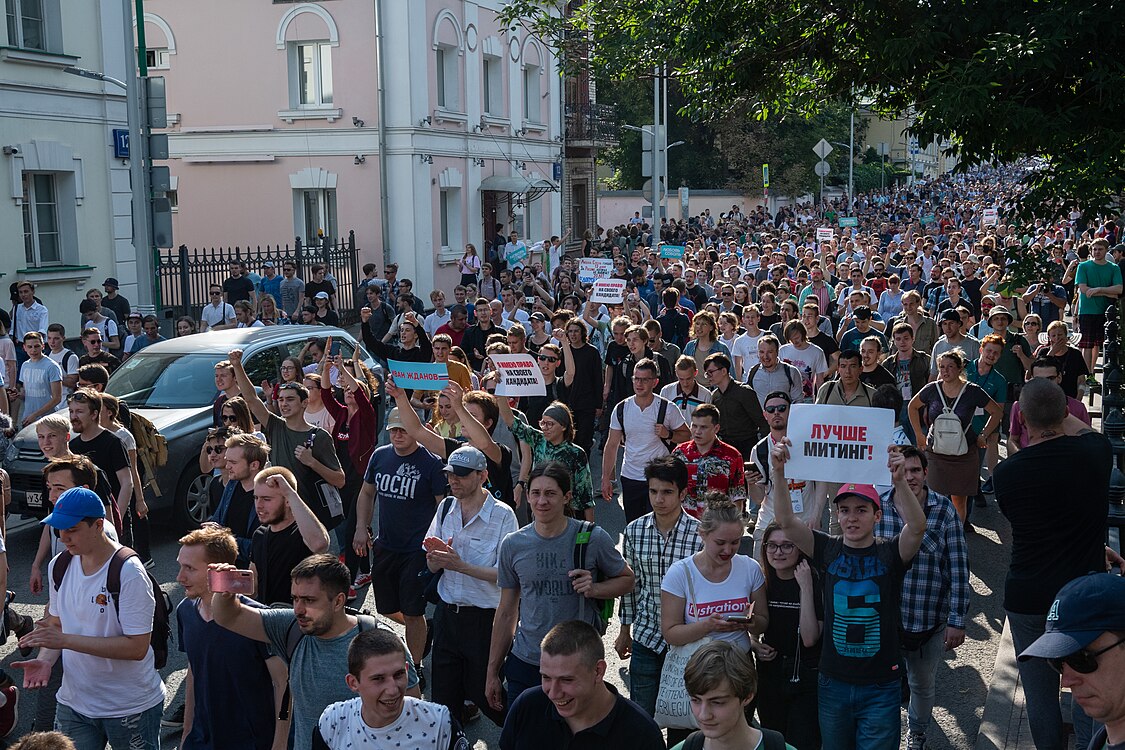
556	171
121	143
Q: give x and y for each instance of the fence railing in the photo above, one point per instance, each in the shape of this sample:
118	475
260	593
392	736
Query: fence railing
186	275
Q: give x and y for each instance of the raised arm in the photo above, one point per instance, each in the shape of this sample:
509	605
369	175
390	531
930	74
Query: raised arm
257	408
909	509
313	533
783	514
230	613
428	439
476	432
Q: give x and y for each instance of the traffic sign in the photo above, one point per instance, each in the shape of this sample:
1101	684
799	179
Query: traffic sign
822	149
646	191
765	175
822	169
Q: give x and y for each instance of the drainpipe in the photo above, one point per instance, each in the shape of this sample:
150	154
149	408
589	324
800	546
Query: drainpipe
384	210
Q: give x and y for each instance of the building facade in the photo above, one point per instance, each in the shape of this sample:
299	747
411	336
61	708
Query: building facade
67	215
282	125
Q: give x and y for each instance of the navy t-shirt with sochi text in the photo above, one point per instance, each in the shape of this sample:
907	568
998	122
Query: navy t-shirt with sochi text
405	490
862	588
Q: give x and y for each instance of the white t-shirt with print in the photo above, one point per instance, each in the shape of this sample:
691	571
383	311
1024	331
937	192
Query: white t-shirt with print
729	597
421	726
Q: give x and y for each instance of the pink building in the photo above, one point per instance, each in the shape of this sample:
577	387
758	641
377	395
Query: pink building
274	113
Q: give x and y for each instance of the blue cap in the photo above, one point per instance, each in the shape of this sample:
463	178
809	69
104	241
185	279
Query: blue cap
1084	609
74	505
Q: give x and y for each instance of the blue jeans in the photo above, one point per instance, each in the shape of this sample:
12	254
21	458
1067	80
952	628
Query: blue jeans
136	732
644	677
921	672
859	716
518	677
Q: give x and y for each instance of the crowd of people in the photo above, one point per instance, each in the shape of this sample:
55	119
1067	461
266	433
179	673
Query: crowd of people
754	609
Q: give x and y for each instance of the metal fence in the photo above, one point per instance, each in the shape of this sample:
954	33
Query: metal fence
185	275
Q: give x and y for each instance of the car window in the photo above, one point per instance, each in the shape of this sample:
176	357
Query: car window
166	381
294	349
264	365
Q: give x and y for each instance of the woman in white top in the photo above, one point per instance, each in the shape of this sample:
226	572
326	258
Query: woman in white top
316	413
700	594
469	266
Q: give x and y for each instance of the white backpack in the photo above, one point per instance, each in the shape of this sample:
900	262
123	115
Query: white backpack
947	434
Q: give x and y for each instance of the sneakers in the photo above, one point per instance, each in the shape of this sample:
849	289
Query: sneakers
22	625
987	488
9	712
1092	384
469	713
361	580
174	719
916	741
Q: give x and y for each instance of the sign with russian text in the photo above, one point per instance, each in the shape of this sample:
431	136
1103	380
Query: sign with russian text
592	269
991	216
824	234
517	254
839	443
519	375
849	221
428	376
608	291
672	251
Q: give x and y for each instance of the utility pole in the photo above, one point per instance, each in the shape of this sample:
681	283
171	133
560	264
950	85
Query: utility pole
851	162
657	150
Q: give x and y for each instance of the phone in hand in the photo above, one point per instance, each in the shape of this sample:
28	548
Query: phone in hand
741	619
232	581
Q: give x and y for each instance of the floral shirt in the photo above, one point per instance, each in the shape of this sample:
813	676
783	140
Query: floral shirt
569	454
721	468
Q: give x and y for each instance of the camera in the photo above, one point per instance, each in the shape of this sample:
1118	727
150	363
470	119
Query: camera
11	150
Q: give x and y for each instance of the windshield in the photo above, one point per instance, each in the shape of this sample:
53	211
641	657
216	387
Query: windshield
166	381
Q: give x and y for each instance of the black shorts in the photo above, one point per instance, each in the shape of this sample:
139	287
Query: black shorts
1092	330
396	583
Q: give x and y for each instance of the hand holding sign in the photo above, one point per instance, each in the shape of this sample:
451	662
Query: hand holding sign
519	375
608	291
839	443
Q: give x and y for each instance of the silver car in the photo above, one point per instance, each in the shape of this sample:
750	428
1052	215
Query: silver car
173	384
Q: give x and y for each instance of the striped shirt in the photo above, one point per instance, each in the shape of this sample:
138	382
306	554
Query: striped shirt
936	589
650	555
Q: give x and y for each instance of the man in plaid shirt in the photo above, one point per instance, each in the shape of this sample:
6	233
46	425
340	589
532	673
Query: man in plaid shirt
652	543
935	592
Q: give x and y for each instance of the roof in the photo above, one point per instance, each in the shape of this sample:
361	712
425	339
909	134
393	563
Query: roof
237	338
516	184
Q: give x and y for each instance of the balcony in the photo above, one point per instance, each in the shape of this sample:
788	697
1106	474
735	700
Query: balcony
590	125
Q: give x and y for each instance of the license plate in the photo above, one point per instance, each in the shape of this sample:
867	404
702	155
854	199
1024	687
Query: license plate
33	499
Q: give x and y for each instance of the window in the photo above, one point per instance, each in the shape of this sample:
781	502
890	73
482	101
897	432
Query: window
311	79
27	24
445	65
319	215
531	95
492	86
41	240
156	58
444	202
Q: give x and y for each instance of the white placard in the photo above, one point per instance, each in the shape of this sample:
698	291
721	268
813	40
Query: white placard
591	269
824	234
519	375
991	216
839	443
608	291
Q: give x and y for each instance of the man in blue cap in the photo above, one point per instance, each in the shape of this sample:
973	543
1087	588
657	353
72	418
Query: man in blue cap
1085	643
87	629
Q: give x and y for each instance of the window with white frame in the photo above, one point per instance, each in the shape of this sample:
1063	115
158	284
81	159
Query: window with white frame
492	86
41	236
318	214
310	74
28	23
157	58
443	210
448	78
532	104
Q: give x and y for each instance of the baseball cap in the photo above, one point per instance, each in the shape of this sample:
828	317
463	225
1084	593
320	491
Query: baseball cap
865	491
1083	610
951	315
134	316
267	264
465	460
394	420
322	295
111	282
74	505
539	316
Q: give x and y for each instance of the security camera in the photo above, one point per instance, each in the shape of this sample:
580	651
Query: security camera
11	150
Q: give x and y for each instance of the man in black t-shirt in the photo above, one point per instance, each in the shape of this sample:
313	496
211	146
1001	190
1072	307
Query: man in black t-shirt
238	286
99	444
582	381
289	533
320	283
859	689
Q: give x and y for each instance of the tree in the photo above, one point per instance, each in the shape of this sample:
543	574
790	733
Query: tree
1004	80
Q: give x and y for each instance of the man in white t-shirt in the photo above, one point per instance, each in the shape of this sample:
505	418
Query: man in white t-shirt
218	314
648	437
808	358
63	357
110	691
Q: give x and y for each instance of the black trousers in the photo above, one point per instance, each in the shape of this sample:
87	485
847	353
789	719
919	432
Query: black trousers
584	429
634	498
459	660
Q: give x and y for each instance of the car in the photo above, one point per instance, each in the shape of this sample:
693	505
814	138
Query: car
173	384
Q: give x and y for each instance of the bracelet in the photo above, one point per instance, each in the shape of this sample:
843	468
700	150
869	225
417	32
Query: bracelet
522	483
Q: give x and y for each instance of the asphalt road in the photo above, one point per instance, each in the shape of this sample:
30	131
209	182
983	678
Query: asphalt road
962	679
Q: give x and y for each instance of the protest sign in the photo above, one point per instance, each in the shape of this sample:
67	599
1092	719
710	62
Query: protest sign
519	375
429	376
517	255
672	251
927	219
592	269
849	221
608	291
839	443
991	216
824	234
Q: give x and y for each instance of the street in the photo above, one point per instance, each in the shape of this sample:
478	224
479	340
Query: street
961	686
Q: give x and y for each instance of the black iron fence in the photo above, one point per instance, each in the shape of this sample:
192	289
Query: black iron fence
185	275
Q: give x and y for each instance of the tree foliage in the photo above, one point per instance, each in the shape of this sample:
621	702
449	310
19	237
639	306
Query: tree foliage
1004	80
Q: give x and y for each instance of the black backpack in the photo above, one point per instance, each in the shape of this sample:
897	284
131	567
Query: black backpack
661	412
161	615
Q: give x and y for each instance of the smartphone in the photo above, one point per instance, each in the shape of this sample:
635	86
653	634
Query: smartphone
232	581
335	348
729	618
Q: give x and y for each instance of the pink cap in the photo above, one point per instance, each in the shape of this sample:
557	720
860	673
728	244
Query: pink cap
866	491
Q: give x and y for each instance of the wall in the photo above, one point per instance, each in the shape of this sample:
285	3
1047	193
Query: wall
617	206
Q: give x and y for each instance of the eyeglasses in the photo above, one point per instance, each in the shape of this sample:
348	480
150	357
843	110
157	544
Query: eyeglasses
229	418
1083	662
776	409
711	373
215	449
289	386
545	358
784	548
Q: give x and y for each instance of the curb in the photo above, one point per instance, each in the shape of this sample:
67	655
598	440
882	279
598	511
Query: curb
1001	708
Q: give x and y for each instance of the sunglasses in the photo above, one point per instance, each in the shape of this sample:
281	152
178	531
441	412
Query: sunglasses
1083	662
776	409
215	449
545	358
229	418
82	398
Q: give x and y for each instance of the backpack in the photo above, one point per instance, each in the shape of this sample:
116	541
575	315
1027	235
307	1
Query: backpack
161	614
293	638
152	449
604	607
755	368
947	434
661	413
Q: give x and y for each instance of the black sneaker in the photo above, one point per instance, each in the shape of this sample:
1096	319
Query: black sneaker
988	489
9	712
24	624
469	713
174	719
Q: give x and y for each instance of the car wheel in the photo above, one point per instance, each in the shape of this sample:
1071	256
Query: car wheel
193	502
